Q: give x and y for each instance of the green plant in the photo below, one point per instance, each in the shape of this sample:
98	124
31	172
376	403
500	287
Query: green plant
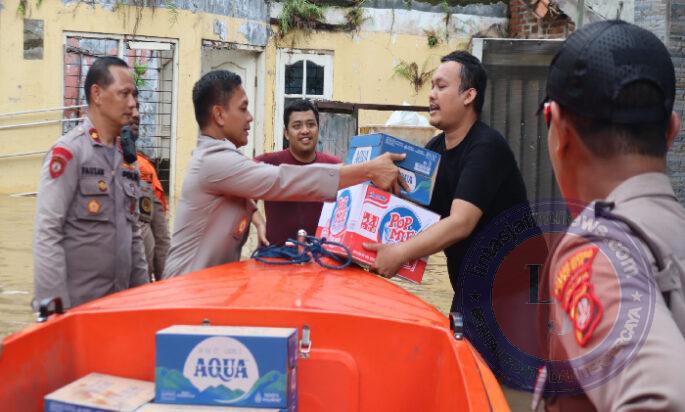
410	72
445	5
139	71
432	37
299	14
21	8
355	16
172	9
137	6
448	15
118	6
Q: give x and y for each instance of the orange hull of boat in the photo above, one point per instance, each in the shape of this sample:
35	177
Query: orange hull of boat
375	347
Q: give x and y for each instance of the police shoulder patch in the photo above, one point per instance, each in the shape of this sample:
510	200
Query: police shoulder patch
573	290
59	157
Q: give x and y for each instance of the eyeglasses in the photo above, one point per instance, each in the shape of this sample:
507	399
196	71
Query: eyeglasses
547	112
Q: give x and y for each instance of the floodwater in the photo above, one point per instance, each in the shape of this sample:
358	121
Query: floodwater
16	268
16	275
16	262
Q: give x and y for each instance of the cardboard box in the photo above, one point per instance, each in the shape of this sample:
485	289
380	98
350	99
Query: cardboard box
224	365
162	407
419	168
98	392
418	135
364	213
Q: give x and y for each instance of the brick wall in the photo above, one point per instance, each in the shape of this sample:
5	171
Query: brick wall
666	19
525	24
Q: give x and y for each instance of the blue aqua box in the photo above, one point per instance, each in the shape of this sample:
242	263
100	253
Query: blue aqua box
419	168
166	407
226	365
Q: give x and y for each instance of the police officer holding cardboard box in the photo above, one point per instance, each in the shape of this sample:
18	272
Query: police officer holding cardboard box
616	278
86	242
216	204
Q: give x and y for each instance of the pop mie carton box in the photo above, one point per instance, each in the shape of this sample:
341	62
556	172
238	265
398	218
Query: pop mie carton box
364	213
419	168
97	392
226	365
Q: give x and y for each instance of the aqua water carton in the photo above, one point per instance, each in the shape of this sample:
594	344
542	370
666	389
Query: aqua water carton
419	168
226	365
98	392
364	213
165	407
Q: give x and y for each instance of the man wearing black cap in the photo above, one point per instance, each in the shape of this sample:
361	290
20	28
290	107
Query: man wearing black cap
616	324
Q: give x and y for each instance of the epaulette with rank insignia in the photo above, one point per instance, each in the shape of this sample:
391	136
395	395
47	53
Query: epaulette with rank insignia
93	133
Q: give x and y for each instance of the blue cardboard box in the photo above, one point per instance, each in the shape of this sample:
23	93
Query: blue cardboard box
165	407
225	365
419	168
98	392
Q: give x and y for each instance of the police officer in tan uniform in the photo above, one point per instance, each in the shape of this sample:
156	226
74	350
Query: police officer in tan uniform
216	204
152	203
153	219
86	241
616	327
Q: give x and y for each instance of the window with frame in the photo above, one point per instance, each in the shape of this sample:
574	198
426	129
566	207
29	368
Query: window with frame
301	75
152	66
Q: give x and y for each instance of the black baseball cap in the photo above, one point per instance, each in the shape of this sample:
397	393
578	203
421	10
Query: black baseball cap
597	61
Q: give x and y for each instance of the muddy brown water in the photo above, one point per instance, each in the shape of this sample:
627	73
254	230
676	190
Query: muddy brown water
16	275
16	268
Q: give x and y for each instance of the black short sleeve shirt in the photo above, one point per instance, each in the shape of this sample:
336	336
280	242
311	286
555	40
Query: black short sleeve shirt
481	170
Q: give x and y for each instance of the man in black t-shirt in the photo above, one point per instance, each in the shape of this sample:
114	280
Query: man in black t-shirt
478	177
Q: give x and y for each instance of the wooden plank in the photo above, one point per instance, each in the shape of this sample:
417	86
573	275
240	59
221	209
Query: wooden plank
499	105
513	122
346	107
335	134
529	137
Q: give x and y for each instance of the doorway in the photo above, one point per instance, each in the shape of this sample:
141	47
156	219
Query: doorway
244	63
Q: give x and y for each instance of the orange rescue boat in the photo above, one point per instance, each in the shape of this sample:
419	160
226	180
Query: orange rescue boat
374	346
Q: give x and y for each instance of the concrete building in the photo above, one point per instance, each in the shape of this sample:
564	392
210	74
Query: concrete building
350	55
47	49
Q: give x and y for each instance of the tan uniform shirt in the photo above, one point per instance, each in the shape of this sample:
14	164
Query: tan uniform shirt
214	211
628	347
86	242
153	229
